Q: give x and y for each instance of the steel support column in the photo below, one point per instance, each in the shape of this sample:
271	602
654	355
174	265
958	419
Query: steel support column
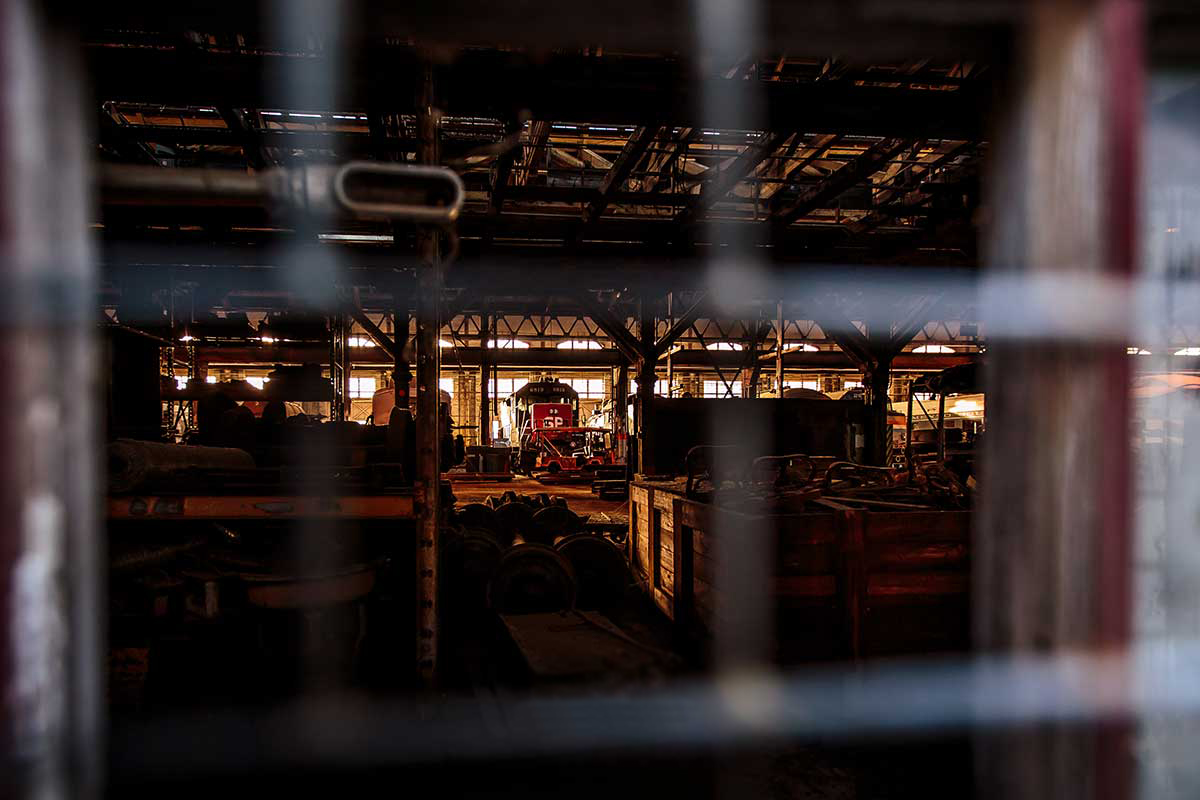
670	361
646	377
485	375
429	474
401	372
877	381
620	411
339	366
779	350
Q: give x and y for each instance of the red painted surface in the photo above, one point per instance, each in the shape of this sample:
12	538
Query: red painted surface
553	415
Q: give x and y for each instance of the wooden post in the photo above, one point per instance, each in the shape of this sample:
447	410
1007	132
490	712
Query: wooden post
428	480
853	580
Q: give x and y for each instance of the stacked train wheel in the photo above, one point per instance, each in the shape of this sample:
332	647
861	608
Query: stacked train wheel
532	578
522	554
601	574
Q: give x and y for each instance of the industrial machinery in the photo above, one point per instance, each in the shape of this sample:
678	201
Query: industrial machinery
566	453
949	439
548	403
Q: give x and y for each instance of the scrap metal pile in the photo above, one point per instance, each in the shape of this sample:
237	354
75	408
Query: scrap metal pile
273	453
798	483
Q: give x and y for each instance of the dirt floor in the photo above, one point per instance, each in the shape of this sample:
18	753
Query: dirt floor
579	496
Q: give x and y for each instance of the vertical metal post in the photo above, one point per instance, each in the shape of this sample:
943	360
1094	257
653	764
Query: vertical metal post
670	361
779	349
51	588
401	373
908	437
485	410
620	400
646	377
339	376
878	381
493	336
428	479
749	375
941	428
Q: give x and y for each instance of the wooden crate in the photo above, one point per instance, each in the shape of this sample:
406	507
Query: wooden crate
850	584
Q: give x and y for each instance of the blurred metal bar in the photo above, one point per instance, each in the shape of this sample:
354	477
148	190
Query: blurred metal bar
892	699
1053	566
51	581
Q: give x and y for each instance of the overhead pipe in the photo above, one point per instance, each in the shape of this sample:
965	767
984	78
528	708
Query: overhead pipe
425	194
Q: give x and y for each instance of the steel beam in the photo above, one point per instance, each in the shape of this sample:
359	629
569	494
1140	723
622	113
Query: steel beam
824	193
713	190
629	158
680	326
498	84
377	336
613	327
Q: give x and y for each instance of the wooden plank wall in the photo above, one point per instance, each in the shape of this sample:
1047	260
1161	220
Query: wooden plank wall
653	545
846	585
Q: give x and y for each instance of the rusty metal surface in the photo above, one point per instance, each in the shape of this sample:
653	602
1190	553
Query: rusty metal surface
194	507
311	592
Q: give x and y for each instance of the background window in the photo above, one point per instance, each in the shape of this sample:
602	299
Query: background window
361	387
721	389
658	388
588	388
503	387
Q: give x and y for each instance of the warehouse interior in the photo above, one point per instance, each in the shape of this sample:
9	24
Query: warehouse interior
733	399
